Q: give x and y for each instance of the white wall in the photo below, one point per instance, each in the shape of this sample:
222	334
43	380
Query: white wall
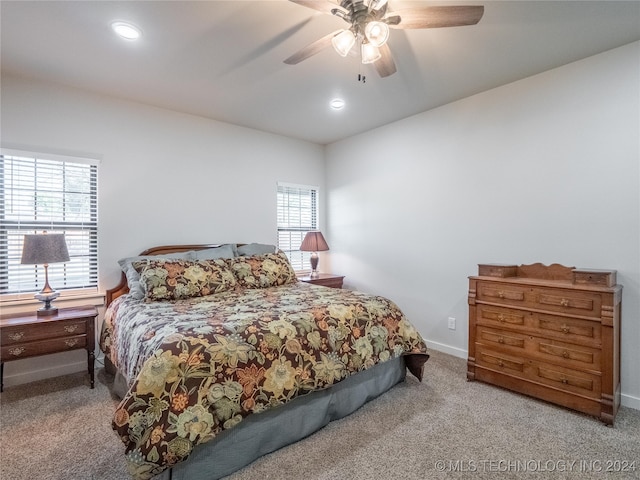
164	178
542	170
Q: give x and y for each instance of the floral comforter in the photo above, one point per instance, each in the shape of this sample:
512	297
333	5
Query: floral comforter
199	366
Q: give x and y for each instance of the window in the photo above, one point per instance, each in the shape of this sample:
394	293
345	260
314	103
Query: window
47	193
297	214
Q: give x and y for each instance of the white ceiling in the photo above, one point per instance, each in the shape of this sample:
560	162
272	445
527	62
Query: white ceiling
224	59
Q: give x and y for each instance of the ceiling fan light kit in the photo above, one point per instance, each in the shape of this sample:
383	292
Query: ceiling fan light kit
369	53
343	42
377	33
370	25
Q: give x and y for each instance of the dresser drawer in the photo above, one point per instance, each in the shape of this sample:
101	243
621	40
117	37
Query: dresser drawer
38	331
556	376
503	317
42	347
556	327
547	350
501	361
568	355
499	293
573	302
568	380
564	301
501	339
568	329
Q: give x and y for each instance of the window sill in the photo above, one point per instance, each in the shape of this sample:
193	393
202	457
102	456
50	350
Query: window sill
9	307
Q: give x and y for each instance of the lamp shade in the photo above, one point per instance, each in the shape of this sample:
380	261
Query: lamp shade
44	249
314	242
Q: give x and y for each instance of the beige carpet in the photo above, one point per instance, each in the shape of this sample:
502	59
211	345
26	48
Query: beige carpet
442	428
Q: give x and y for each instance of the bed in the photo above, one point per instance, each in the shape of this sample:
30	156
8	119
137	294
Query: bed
221	356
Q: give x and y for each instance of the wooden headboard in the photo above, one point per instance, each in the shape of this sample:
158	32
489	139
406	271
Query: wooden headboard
122	288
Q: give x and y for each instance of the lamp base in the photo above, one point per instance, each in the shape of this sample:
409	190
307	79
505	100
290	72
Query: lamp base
47	298
47	312
314	264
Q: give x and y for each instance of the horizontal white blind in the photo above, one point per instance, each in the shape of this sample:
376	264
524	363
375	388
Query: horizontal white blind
297	214
56	196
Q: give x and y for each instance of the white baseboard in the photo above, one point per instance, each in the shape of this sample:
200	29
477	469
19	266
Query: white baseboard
441	347
630	401
42	373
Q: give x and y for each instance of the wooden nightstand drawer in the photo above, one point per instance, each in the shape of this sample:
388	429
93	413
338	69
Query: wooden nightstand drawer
34	332
42	347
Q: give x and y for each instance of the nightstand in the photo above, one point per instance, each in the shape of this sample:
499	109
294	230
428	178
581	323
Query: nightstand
324	279
27	335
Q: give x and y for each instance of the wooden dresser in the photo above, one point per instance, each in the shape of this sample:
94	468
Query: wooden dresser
551	332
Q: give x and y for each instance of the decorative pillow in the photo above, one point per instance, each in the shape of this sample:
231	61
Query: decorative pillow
261	271
133	277
255	249
179	279
223	251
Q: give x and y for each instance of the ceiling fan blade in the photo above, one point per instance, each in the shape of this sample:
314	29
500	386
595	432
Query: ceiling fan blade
324	6
311	49
385	65
392	20
436	17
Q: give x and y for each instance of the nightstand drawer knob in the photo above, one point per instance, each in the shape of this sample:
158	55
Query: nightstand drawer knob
16	336
16	352
71	342
70	328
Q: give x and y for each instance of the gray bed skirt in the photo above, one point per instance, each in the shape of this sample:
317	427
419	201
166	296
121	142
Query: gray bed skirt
268	431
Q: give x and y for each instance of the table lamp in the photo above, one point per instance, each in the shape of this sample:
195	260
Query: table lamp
314	242
45	249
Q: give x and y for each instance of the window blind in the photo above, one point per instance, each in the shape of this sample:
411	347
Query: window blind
55	195
297	214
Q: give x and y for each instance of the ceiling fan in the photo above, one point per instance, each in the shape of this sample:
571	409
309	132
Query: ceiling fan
369	27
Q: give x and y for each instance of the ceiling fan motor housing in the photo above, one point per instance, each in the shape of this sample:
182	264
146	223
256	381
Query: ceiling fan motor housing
359	15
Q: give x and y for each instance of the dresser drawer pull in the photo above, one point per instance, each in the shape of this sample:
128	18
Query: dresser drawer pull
565	354
501	363
500	340
565	381
501	318
564	329
71	342
16	336
501	294
564	302
16	352
71	328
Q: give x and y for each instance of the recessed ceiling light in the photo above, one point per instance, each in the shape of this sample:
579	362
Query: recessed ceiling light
126	30
337	104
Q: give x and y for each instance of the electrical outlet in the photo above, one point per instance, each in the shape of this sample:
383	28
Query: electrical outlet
452	323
